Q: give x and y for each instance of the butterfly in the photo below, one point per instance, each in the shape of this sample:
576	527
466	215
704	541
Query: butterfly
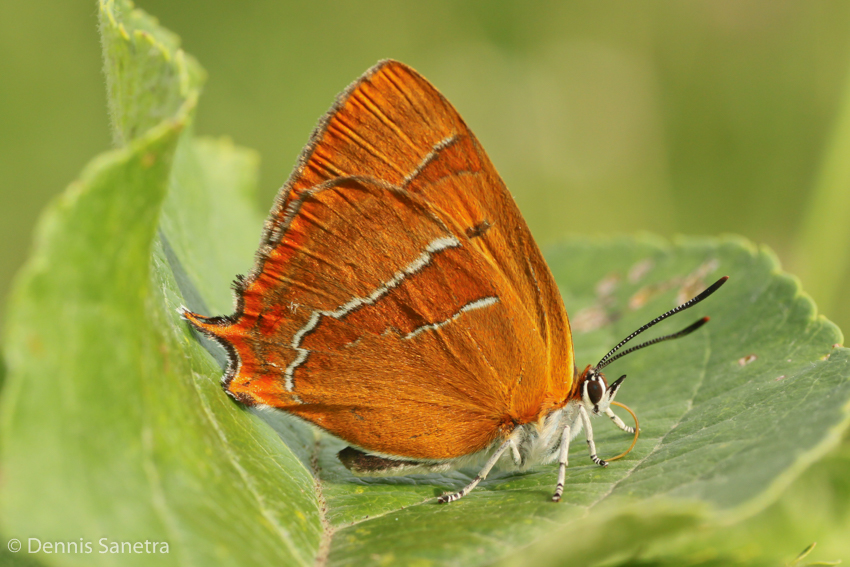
399	302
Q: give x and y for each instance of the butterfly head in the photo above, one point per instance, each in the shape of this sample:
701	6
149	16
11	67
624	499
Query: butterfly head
596	394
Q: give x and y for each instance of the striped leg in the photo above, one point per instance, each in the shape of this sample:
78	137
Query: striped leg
588	431
478	478
619	422
562	460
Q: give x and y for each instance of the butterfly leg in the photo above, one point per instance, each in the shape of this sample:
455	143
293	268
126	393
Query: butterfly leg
588	431
478	478
619	422
562	461
515	453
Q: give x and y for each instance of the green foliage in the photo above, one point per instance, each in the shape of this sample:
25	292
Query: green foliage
825	220
114	425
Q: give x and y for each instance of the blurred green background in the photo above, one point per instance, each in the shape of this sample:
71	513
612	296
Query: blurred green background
672	117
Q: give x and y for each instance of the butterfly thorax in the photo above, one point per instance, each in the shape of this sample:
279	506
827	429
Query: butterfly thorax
539	443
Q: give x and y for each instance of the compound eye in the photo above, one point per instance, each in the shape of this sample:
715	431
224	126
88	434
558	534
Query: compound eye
595	390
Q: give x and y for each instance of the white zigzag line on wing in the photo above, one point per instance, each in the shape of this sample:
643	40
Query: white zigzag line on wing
435	246
471	306
435	151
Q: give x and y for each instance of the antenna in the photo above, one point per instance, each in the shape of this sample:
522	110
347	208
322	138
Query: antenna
607	359
686	331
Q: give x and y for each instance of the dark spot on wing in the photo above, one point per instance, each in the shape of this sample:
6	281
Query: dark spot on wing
478	230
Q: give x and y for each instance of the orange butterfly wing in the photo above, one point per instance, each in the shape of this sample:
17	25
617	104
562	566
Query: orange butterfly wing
398	301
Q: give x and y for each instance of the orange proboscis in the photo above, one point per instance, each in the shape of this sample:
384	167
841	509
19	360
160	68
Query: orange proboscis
637	432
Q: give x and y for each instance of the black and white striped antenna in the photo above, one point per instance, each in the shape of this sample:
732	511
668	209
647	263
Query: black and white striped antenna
609	358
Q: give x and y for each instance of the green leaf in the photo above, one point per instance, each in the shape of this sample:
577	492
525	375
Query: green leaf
113	419
148	76
813	509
